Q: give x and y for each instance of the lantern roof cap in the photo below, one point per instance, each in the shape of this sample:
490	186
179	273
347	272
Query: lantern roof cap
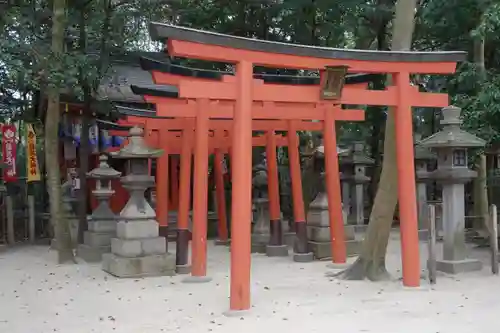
422	153
137	147
320	151
355	155
452	136
103	171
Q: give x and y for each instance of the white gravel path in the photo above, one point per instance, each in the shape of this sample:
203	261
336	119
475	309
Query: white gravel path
37	296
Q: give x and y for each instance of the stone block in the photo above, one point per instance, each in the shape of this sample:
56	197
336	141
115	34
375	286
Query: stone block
102	226
277	250
289	239
303	257
137	229
94	239
322	234
322	250
128	248
154	265
423	235
349	232
131	248
258	248
458	266
318	234
318	218
156	245
91	254
360	228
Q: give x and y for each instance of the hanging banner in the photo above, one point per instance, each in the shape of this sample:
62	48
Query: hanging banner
106	139
32	168
9	153
77	129
94	137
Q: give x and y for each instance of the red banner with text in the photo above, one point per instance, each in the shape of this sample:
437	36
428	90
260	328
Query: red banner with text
9	153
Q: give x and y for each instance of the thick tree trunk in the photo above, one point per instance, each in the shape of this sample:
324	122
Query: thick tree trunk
60	224
480	190
480	193
371	262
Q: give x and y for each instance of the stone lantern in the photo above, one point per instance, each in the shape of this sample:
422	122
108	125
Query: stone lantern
450	145
423	157
137	250
354	173
261	229
102	222
318	219
68	208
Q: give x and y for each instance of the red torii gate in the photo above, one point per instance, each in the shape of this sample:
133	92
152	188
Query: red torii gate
243	90
158	135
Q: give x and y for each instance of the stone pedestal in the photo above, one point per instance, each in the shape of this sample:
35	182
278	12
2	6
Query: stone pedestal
260	230
138	250
454	250
102	222
318	230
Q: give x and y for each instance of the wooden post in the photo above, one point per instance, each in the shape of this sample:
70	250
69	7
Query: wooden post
31	218
494	239
276	226
241	210
200	196
220	199
174	182
300	249
332	180
406	181
162	199
10	220
183	234
431	262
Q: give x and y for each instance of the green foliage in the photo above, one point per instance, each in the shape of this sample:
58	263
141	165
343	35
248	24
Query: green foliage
97	30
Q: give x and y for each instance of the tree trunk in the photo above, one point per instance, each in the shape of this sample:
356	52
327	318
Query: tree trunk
60	224
371	263
480	191
481	225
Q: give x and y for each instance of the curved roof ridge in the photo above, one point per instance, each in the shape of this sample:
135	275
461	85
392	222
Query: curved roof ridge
162	31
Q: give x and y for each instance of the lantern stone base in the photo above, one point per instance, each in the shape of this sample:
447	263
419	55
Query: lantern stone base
303	257
289	239
322	233
323	250
277	250
97	240
361	228
259	243
458	266
91	254
423	235
151	265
